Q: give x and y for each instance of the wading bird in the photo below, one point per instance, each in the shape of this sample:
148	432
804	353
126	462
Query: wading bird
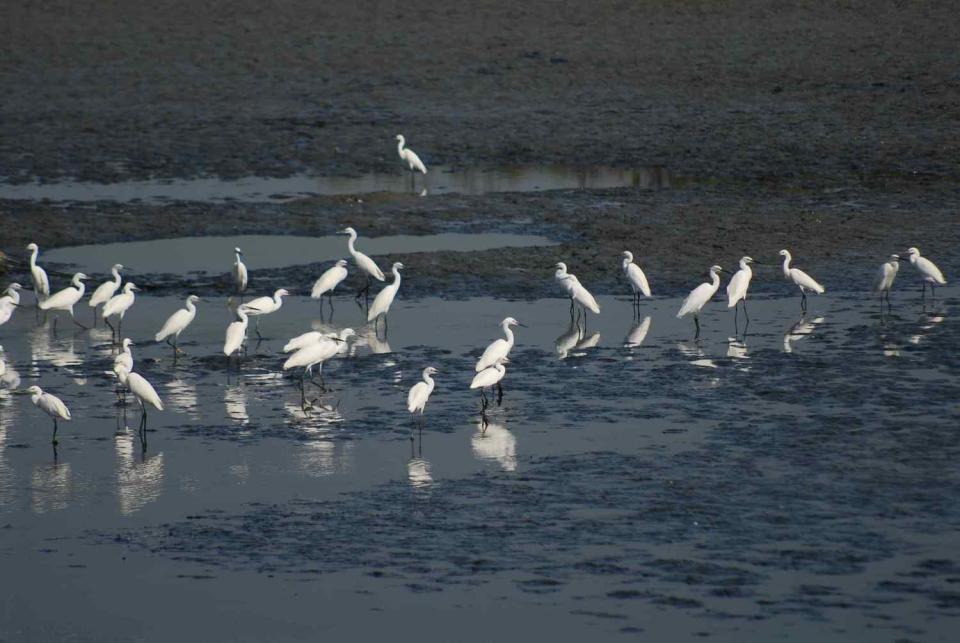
265	306
929	273
737	288
699	296
106	290
9	302
409	157
239	273
178	322
803	281
366	265
51	405
384	299
636	279
499	349
118	305
490	377
41	284
327	282
883	282
145	394
575	290
420	393
315	354
236	335
65	299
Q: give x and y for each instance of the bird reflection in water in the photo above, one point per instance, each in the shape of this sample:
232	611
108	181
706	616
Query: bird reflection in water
638	333
183	396
139	480
575	338
235	401
928	321
493	442
801	330
51	485
737	348
418	468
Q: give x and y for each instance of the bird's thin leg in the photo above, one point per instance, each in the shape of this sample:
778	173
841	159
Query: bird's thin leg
736	327
499	394
94	317
259	336
303	395
571	308
384	325
889	305
113	330
696	321
483	398
745	314
933	293
54	440
119	327
54	325
803	300
77	323
330	296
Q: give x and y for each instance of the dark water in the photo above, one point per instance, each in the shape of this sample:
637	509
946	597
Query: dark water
439	180
185	255
799	482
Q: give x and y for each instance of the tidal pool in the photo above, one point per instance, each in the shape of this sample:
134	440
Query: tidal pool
797	481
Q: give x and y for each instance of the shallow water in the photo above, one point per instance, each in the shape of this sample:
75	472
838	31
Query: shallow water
185	255
261	189
796	482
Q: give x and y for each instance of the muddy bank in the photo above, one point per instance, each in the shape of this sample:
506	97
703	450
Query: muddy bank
676	234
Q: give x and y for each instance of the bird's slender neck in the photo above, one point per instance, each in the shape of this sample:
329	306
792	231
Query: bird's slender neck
428	379
400	144
77	283
627	261
237	257
33	257
396	277
277	297
242	314
34	397
350	241
191	307
744	265
914	257
126	349
116	276
509	333
786	265
714	277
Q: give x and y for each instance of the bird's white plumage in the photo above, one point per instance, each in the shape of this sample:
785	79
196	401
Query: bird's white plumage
635	275
928	270
298	342
107	289
66	298
498	349
489	376
41	283
329	279
384	299
265	305
367	265
565	280
142	389
118	305
236	333
48	403
6	310
700	295
239	271
409	157
420	392
178	321
583	297
317	352
886	274
800	278
739	283
124	359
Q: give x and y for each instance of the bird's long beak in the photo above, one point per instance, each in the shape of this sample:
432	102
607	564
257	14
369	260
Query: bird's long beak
759	263
522	325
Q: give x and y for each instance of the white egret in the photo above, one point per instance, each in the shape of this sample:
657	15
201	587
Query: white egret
490	377
265	306
883	281
316	354
106	290
178	322
364	263
420	392
929	272
9	376
409	157
384	299
51	405
575	290
145	394
737	288
12	294
328	281
118	305
3	364
239	273
565	280
124	359
636	279
803	281
41	284
498	349
699	296
236	335
65	299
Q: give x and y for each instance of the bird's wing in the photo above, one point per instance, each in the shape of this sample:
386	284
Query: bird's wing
144	390
415	162
369	266
930	269
416	395
300	341
381	303
695	300
496	350
583	296
103	293
639	278
55	406
235	333
804	280
65	297
41	281
328	281
174	323
737	288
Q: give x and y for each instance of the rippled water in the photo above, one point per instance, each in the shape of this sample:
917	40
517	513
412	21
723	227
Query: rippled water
440	180
796	482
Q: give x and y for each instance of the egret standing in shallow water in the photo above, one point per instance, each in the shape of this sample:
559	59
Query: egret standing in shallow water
803	281
236	336
66	299
699	296
883	282
420	393
578	294
239	273
366	265
327	282
145	394
738	286
384	299
498	349
929	272
9	302
106	290
118	306
314	354
51	405
409	157
490	377
177	323
636	279
265	306
41	284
